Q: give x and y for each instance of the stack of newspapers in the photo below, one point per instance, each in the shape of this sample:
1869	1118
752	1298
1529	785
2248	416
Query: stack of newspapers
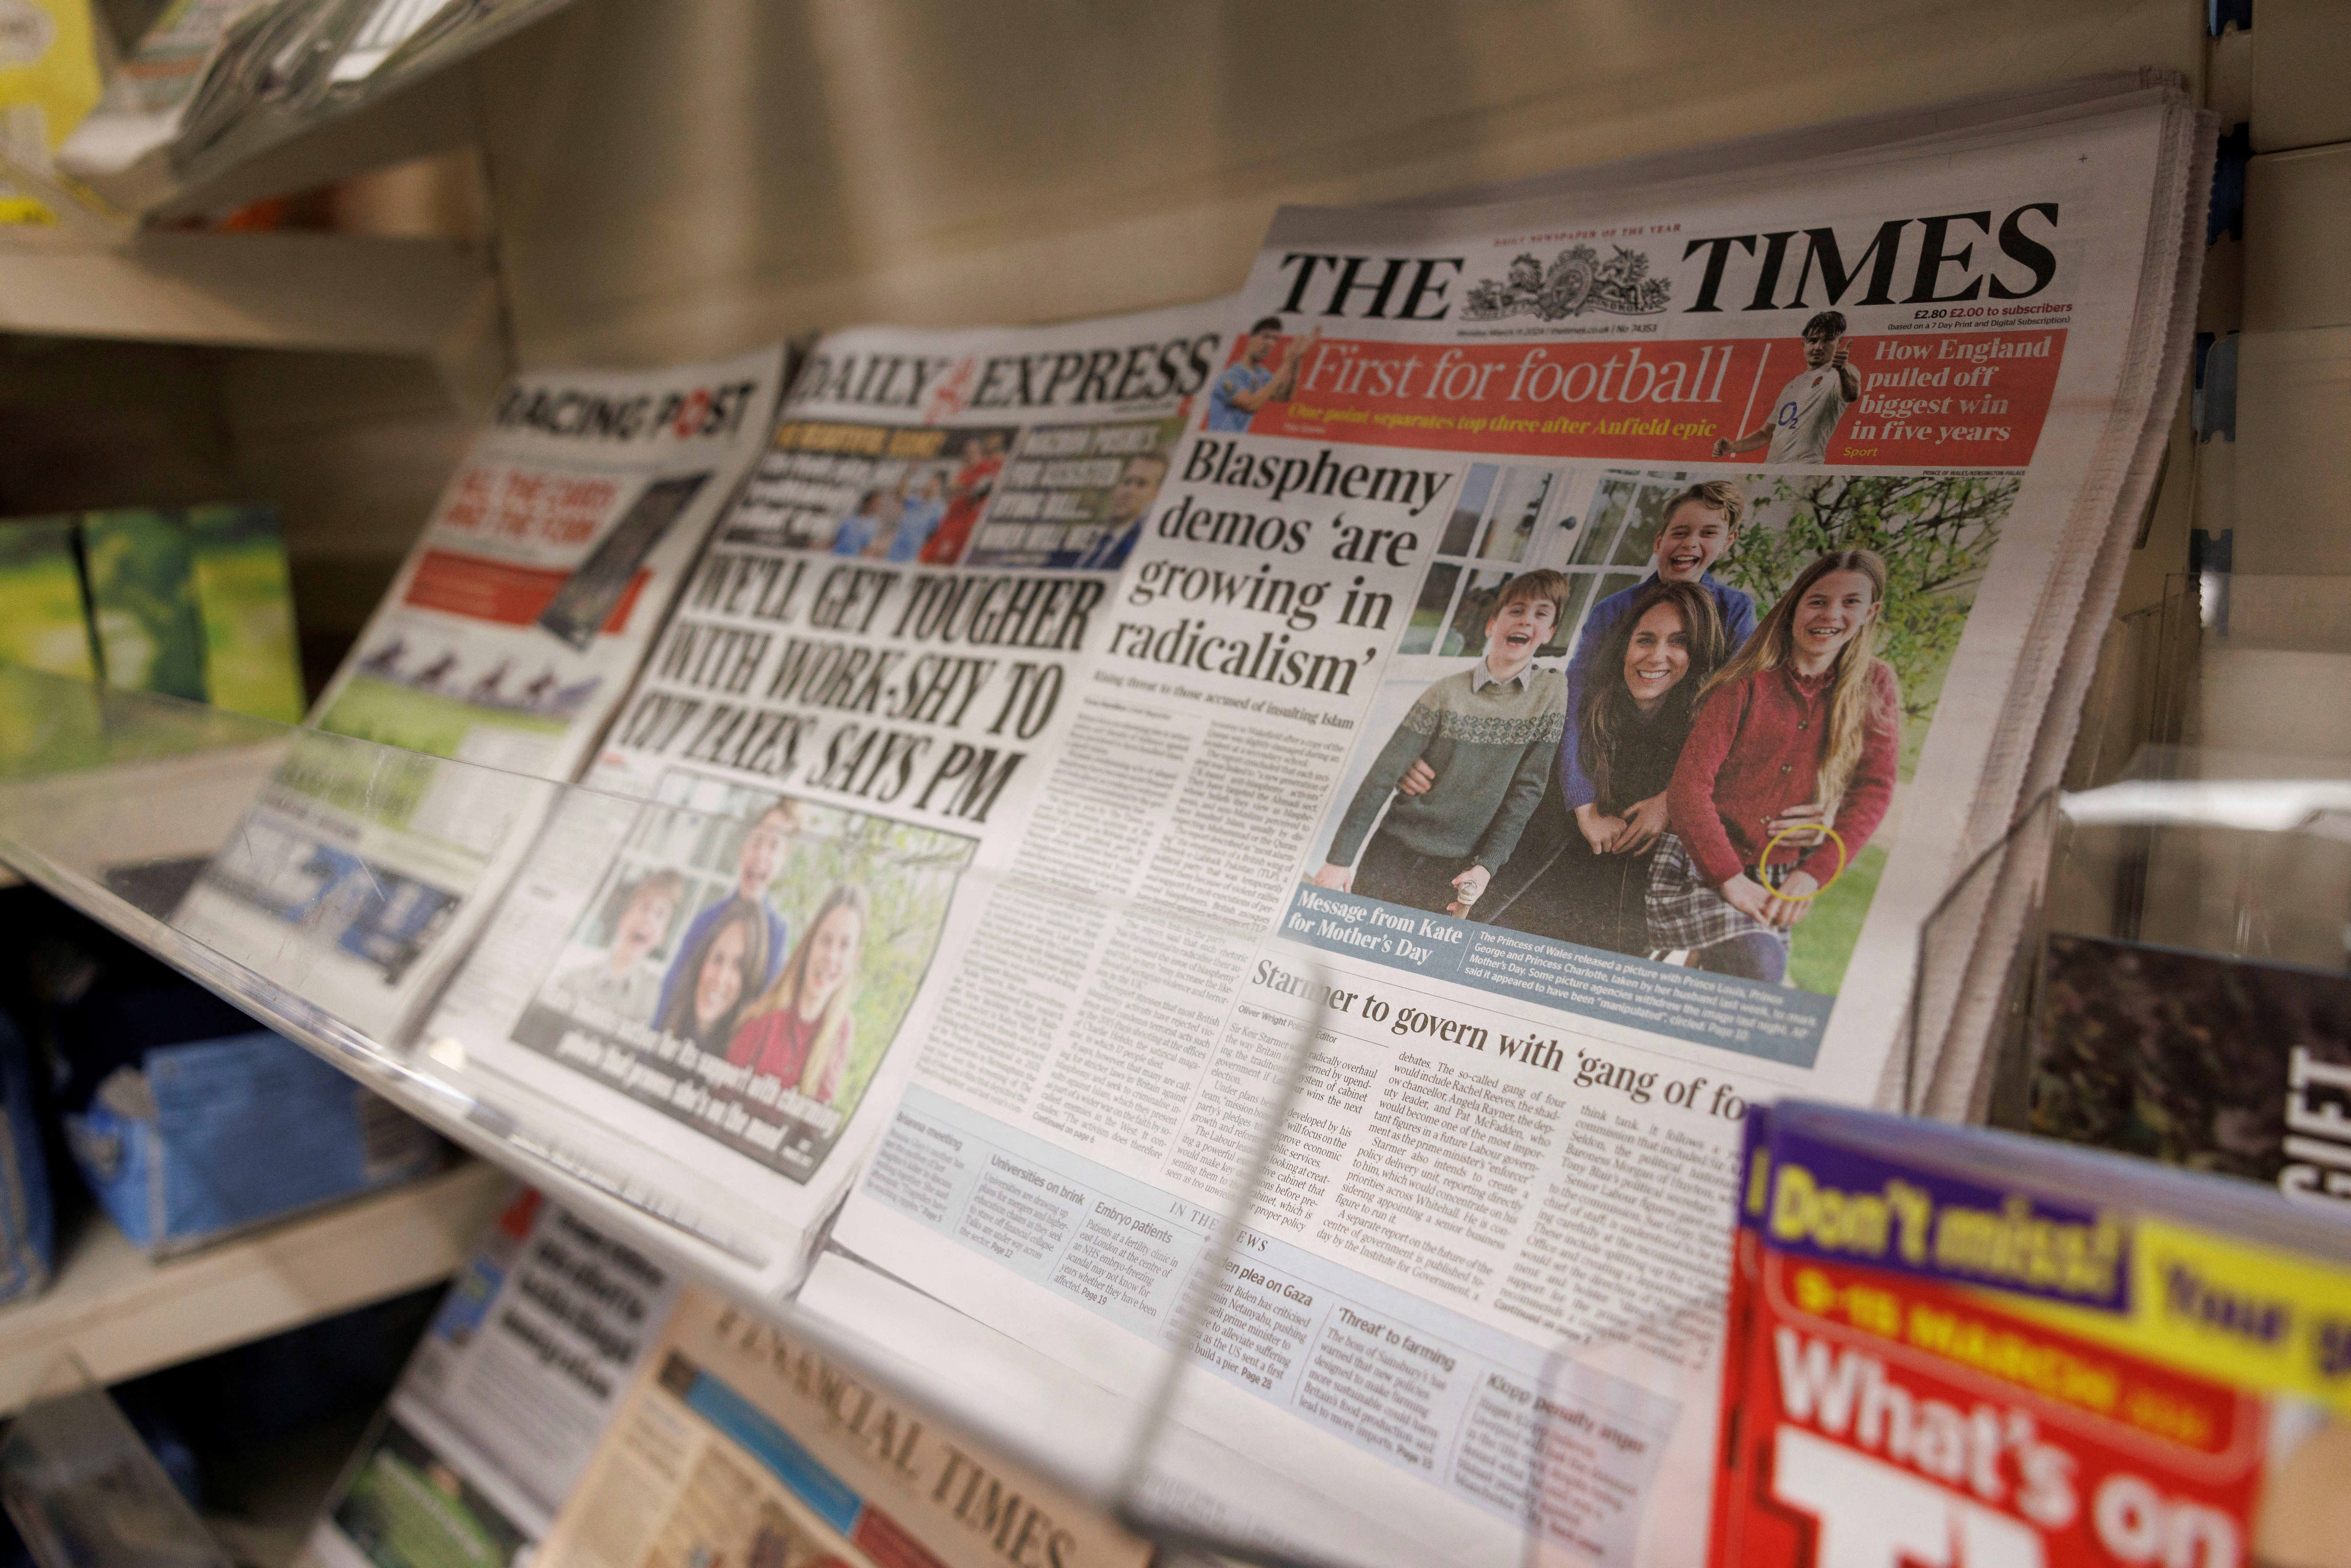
1296	827
573	1405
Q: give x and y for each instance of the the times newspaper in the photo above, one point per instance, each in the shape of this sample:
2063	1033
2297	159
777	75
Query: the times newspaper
1488	1255
507	642
1962	1348
504	1401
740	1444
1568	646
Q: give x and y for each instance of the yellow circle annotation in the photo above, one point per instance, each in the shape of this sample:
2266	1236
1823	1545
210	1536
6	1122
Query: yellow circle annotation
1763	859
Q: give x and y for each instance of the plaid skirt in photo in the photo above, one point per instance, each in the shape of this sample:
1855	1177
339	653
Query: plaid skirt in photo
1685	910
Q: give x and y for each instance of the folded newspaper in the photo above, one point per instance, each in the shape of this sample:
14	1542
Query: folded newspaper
505	1400
739	1443
571	1405
707	987
1950	1346
506	642
1554	652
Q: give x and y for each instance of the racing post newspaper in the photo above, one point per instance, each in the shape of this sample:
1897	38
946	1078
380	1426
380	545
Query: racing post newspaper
702	990
1578	642
506	642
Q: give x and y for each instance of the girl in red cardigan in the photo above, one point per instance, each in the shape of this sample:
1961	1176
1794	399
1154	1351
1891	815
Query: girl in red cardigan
801	1030
1804	725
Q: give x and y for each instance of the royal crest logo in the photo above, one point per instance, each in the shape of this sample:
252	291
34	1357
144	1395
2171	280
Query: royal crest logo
1576	282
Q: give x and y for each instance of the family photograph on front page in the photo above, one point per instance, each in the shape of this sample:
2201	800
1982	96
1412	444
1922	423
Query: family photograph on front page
746	963
1686	714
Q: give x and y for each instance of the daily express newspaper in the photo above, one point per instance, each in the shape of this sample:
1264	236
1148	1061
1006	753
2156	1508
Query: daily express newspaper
506	642
1571	645
705	989
740	1443
1589	637
503	1403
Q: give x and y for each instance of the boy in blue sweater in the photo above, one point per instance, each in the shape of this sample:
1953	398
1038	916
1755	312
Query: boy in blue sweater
1701	524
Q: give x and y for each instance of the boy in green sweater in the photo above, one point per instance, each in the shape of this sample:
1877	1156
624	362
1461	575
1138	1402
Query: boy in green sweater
1488	733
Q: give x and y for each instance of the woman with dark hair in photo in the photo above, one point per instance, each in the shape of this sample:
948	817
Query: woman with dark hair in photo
801	1030
723	971
1803	727
1636	713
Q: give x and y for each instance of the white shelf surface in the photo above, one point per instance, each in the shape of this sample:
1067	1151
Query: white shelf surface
124	1314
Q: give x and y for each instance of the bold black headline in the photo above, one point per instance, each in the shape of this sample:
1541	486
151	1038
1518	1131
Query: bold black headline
1136	373
687	414
907	689
1250	620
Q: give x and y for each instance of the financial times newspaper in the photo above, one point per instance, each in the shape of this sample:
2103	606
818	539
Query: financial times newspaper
506	644
711	980
1576	645
738	1444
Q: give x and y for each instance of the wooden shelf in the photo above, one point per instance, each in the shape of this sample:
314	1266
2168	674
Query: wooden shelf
124	1314
434	299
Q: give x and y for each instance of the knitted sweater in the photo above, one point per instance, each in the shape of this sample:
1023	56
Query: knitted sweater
1755	752
1492	749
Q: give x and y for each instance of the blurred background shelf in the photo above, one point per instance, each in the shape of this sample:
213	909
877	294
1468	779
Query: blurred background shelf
125	1314
431	298
421	101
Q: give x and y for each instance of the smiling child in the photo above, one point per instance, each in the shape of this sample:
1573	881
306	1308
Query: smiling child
1701	524
801	1031
622	979
1488	733
1804	717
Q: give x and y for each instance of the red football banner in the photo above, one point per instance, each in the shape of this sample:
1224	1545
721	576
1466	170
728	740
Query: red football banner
1954	399
500	593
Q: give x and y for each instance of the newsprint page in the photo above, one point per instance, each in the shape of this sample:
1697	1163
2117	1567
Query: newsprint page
706	989
505	1400
1572	646
506	641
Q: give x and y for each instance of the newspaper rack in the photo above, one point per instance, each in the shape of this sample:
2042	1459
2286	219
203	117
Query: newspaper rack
116	801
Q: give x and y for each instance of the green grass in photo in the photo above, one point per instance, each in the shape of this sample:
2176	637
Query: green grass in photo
367	708
1824	938
404	1514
